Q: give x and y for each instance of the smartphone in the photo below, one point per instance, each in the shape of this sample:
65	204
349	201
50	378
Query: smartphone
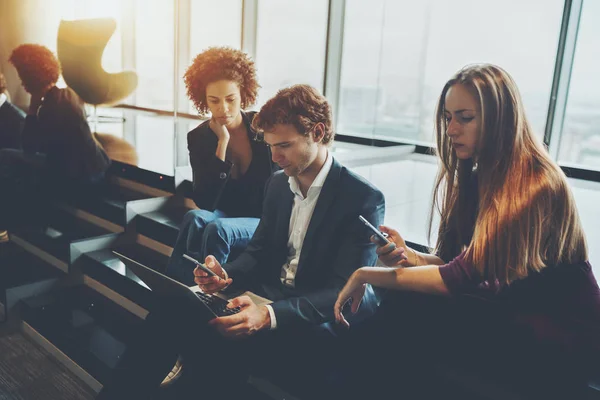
382	238
202	266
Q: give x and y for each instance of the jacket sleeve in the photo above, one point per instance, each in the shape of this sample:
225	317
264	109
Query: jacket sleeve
210	174
355	251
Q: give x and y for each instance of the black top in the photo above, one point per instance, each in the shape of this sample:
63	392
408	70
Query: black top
11	125
213	186
60	130
560	303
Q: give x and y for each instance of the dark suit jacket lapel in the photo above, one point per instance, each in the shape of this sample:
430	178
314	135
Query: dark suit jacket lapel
324	203
284	213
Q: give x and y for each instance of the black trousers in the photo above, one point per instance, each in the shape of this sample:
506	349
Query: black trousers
425	339
298	360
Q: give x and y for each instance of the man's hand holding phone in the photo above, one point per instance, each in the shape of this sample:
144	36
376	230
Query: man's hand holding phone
208	283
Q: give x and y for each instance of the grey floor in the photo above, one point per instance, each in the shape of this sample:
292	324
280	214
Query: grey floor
28	372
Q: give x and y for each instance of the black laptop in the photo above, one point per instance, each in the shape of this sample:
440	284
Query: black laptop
164	286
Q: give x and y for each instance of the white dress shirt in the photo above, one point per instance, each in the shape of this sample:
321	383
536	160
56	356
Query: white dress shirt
3	99
302	211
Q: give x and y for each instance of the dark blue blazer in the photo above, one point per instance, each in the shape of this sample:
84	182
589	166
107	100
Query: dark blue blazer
335	245
12	120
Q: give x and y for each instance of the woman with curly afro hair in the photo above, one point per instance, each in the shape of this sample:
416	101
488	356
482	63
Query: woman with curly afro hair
59	152
230	163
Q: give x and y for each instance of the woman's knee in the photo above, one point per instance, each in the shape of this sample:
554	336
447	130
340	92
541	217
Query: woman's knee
194	221
215	231
200	216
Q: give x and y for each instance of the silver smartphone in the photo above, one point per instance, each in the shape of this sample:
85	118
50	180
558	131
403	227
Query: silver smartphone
200	265
382	238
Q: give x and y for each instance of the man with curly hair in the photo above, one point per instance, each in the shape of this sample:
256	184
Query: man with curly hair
59	152
308	242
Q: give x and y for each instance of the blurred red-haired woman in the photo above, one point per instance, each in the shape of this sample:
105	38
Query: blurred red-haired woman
59	153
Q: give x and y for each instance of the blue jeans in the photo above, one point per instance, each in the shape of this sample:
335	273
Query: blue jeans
204	233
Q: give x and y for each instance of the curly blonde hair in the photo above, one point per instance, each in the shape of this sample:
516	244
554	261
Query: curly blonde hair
214	64
36	65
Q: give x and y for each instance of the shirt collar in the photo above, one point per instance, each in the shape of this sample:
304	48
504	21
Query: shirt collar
3	99
319	179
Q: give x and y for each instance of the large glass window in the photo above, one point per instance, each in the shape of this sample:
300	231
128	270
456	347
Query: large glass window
290	44
213	23
154	53
397	55
580	139
154	144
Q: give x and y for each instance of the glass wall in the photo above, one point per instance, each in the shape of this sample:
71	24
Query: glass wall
580	139
154	49
290	44
397	55
213	23
389	61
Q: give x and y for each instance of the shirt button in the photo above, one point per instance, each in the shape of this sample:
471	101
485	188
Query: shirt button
222	175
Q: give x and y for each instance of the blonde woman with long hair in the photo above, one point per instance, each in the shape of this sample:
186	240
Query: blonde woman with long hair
511	261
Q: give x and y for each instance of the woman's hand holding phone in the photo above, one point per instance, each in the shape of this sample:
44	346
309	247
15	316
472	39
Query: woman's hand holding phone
394	253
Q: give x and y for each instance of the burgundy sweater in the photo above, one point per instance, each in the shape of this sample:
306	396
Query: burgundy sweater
560	304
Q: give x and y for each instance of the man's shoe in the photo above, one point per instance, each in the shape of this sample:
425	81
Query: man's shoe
4	237
174	374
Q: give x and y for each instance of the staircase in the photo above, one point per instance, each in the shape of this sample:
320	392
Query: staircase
74	297
67	289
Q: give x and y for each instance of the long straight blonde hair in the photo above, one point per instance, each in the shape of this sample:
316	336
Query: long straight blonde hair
513	210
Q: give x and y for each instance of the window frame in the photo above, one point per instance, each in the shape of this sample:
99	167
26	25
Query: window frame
553	133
